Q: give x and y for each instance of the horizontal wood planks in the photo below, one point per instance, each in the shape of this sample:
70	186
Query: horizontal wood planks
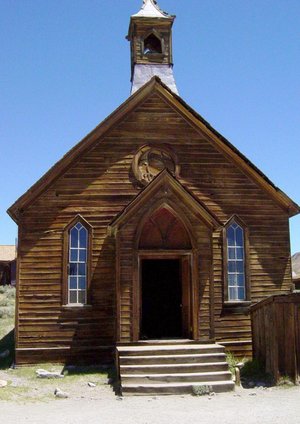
99	186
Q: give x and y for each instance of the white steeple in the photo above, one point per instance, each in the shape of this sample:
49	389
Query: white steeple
150	36
150	9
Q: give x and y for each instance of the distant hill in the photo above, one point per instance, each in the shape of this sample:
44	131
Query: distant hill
296	265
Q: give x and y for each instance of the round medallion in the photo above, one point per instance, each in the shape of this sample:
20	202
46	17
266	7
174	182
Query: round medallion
150	161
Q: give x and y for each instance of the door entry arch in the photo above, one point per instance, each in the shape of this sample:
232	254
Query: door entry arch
166	288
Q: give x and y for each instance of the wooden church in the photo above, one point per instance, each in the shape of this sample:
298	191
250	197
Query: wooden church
151	238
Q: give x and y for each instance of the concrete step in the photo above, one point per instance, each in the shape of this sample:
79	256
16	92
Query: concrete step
159	368
142	379
174	388
169	349
172	358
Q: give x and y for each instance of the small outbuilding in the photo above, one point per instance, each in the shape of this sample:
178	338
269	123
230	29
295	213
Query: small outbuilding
7	265
276	335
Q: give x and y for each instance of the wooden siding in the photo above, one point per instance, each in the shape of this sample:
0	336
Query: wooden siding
99	186
276	335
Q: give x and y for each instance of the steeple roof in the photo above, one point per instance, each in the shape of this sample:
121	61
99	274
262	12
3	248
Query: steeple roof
150	9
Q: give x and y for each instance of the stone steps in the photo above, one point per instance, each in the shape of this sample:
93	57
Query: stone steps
159	368
162	368
172	359
176	377
174	388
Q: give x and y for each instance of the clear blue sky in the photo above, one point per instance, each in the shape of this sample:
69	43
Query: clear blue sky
65	66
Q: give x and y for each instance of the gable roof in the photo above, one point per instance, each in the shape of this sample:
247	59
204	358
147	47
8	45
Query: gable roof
165	179
192	117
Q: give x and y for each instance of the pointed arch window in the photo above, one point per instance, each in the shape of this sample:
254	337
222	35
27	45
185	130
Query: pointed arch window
77	263
235	269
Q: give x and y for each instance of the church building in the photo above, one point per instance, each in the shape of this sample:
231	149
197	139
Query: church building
152	236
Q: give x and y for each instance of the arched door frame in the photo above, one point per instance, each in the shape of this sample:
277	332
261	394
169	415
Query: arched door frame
188	258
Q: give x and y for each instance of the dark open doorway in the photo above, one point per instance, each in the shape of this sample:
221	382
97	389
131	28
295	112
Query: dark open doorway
161	315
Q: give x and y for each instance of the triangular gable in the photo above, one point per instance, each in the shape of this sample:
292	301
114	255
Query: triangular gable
166	181
195	120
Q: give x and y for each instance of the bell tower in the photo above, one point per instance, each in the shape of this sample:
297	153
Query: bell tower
150	36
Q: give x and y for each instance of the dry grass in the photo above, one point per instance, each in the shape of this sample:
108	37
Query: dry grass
23	384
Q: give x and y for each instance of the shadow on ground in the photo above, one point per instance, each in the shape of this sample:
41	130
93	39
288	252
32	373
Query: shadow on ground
7	344
110	370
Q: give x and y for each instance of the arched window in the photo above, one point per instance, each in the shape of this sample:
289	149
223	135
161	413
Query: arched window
235	265
77	253
152	45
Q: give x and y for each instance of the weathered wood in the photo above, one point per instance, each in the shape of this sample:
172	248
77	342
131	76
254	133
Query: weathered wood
99	186
275	324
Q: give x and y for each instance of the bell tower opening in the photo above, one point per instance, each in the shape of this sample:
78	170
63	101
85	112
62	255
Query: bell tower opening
152	45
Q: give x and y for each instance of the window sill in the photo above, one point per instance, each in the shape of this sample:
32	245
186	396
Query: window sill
238	307
76	306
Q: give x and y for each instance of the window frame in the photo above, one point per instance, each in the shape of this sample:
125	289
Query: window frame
66	263
247	300
152	56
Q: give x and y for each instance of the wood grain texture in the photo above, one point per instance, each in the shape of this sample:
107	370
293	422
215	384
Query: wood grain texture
276	323
98	187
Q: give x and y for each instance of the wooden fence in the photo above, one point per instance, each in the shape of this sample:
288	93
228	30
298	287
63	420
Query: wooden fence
276	335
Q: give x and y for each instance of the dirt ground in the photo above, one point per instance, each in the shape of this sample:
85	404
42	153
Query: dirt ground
100	405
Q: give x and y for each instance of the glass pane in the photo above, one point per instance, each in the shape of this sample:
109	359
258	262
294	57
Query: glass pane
241	293
230	237
232	279
81	297
83	237
73	255
74	237
73	296
233	293
73	269
240	266
231	253
231	266
73	282
241	280
239	237
239	253
81	283
81	269
78	226
82	255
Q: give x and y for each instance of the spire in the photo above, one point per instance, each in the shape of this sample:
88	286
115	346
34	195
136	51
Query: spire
150	9
150	36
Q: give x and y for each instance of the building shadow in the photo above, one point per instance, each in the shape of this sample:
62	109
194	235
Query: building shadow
7	344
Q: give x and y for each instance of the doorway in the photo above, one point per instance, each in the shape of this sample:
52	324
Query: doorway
161	299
